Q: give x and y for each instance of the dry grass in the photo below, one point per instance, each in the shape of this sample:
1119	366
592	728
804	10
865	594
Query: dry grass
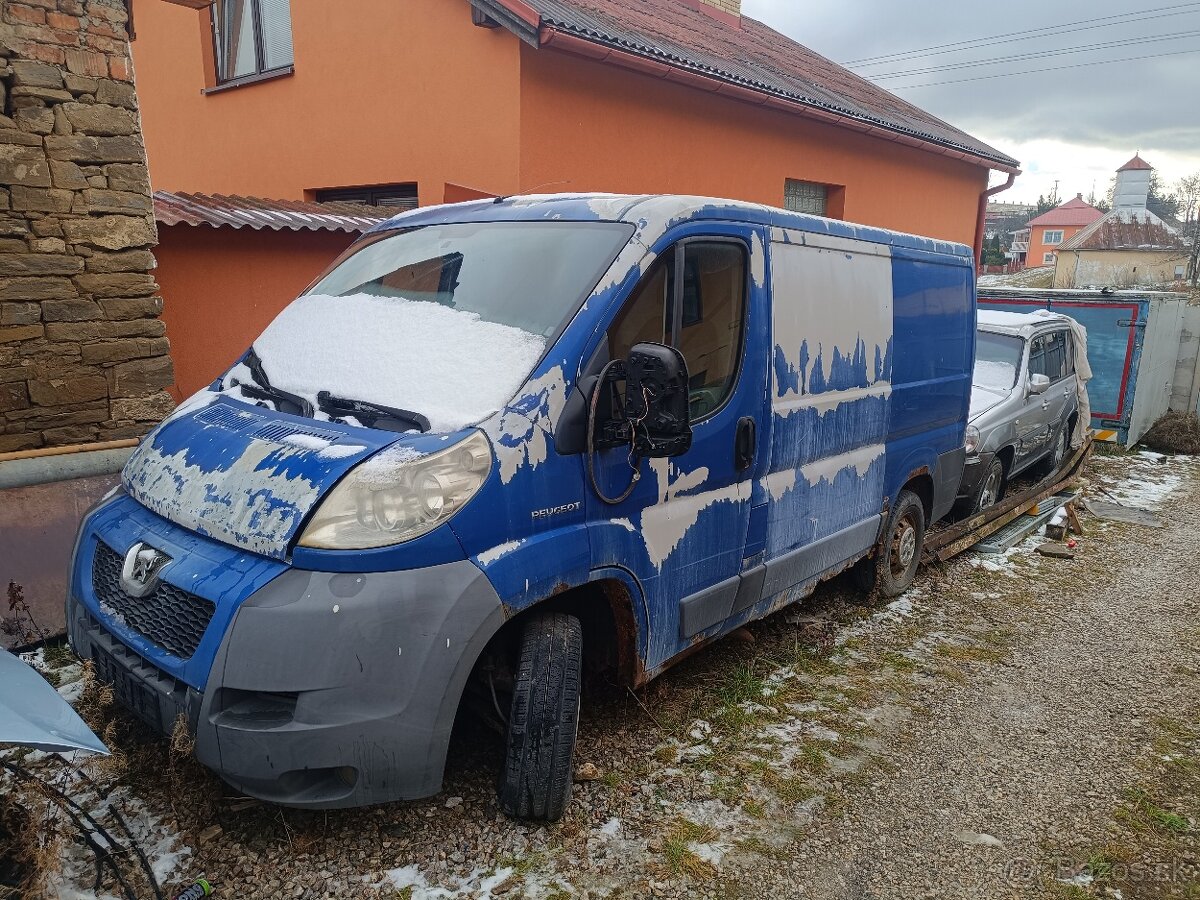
1176	432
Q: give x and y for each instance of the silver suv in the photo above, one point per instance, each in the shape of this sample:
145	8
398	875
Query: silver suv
1023	402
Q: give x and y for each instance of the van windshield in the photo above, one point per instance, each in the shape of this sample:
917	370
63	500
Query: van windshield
443	322
997	360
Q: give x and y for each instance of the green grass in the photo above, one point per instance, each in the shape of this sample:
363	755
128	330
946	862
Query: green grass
677	851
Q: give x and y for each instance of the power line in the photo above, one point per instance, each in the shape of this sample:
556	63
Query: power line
1037	54
1103	62
1129	18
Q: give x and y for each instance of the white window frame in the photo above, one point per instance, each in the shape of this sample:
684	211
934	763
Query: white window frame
1052	238
1049	258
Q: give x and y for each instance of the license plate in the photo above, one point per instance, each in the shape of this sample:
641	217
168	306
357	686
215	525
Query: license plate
128	690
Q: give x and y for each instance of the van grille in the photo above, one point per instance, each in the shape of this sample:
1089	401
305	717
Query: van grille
169	617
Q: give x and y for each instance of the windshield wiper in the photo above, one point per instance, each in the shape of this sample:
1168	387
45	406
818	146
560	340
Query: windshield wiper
264	391
373	415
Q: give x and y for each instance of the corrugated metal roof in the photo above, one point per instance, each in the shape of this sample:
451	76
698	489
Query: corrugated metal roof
1137	164
755	57
1074	212
219	210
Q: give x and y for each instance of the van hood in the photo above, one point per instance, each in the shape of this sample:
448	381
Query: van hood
983	399
243	475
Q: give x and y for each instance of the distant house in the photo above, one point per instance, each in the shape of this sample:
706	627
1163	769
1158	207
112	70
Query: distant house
1038	242
1126	247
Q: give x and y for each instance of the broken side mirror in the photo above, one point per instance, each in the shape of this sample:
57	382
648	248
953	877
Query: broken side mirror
656	400
1038	384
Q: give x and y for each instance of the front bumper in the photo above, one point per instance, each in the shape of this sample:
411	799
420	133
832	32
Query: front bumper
326	690
973	472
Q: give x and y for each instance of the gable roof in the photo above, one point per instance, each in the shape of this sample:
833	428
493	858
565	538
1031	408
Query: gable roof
220	210
1127	229
1073	212
752	62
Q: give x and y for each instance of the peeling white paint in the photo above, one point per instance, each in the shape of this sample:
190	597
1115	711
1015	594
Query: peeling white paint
490	556
665	524
829	299
779	483
758	261
830	401
521	439
626	524
240	504
860	459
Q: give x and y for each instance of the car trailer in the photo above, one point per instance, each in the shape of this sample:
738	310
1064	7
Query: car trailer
948	542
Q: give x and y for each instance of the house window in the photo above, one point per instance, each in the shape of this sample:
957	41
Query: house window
1048	259
1180	272
252	37
805	197
1052	238
396	196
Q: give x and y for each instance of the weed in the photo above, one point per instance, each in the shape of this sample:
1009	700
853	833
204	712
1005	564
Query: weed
790	788
522	865
740	685
899	661
404	893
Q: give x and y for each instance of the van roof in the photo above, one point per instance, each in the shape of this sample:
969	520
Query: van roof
654	213
1020	324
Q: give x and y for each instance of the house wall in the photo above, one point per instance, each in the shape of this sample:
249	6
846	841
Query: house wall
590	126
394	92
1115	268
83	356
1038	247
223	286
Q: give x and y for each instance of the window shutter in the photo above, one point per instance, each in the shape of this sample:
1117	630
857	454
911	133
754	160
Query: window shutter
276	33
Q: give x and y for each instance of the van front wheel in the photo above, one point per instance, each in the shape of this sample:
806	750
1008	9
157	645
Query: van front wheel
900	554
544	720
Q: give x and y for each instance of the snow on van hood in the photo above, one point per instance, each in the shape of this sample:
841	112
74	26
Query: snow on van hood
243	475
449	365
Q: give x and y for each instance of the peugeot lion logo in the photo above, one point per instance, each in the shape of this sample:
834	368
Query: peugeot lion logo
139	575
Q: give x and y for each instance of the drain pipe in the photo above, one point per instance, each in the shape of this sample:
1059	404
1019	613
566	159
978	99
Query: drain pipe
979	224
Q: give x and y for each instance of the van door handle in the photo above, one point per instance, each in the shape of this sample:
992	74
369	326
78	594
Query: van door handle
745	443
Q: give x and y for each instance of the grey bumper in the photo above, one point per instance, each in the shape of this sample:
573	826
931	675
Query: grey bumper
973	472
329	690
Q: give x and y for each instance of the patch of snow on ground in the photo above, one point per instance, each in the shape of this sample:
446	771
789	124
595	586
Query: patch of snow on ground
1144	480
477	886
450	365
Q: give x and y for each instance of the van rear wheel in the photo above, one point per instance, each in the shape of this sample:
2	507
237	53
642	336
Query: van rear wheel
544	720
891	571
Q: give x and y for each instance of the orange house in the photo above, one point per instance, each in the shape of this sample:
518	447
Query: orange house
431	101
1051	229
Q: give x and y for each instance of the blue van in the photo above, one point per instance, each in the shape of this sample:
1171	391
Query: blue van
501	442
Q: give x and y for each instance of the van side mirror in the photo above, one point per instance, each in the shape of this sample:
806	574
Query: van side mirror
656	400
1038	384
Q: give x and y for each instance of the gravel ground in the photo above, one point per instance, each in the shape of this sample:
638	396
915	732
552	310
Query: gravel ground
972	739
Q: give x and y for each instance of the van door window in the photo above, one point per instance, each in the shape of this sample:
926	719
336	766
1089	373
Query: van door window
693	298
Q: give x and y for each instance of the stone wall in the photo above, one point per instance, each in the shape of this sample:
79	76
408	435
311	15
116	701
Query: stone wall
83	353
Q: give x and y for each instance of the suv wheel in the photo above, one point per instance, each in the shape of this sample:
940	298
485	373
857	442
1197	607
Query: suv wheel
1057	456
991	489
544	721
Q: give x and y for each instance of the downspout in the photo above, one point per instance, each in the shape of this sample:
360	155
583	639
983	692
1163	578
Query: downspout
983	202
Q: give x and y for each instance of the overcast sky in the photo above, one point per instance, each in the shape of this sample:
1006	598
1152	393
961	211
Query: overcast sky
1075	125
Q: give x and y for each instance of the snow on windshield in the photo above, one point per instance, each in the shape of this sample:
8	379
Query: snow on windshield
447	364
994	374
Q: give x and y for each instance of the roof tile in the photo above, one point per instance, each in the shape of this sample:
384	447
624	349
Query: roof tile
253	212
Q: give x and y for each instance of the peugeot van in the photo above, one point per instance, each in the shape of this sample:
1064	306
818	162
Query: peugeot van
502	442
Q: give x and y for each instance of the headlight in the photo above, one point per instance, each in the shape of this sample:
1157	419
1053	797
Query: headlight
396	496
972	440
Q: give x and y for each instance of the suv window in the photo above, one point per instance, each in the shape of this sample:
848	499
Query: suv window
1050	355
693	298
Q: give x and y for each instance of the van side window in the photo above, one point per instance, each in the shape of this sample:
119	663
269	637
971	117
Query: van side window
707	330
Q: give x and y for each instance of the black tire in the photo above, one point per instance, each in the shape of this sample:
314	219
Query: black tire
880	574
1053	461
899	556
991	487
536	781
